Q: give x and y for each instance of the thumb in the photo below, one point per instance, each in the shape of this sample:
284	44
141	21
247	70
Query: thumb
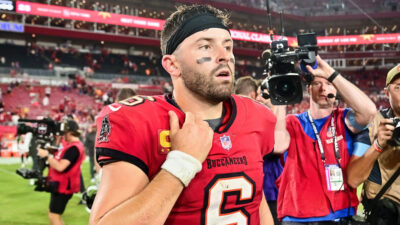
310	69
173	122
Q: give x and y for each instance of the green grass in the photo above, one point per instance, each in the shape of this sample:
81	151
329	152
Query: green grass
20	204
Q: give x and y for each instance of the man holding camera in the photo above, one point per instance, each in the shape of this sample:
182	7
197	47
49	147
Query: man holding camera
64	171
313	187
382	159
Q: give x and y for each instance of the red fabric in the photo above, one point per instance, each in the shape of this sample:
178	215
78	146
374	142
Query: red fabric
8	129
70	181
302	186
136	130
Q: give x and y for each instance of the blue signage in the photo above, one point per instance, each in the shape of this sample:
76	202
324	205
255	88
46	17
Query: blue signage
14	27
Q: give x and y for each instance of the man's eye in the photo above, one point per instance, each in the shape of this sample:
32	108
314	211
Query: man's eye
205	47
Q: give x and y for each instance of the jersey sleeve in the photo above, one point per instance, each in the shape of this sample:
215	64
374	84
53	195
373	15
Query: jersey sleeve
119	138
72	154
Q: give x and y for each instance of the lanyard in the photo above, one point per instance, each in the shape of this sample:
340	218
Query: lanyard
320	146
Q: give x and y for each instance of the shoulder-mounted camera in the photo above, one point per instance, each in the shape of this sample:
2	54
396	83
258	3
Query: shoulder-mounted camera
284	82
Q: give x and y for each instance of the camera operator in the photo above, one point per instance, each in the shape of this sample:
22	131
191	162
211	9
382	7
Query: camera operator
313	187
382	159
64	171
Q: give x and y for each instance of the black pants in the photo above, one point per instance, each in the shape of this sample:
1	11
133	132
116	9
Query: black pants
58	202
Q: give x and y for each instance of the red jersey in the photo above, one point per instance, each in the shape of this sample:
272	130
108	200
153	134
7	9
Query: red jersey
228	189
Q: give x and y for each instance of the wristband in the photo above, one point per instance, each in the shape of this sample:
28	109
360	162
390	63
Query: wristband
377	146
182	165
333	76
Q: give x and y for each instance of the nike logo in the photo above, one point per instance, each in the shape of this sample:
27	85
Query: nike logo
114	109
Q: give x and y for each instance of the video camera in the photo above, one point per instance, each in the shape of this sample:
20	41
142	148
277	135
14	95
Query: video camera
42	183
45	132
395	141
284	83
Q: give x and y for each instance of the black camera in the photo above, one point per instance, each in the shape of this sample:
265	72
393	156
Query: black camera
44	130
284	83
42	183
395	141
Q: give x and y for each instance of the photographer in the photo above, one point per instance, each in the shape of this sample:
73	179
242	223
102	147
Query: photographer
382	159
64	171
314	187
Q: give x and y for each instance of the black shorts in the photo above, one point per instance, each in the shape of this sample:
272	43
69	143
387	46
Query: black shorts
58	202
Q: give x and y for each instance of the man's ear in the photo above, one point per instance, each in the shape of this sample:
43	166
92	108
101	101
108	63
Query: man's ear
170	64
253	95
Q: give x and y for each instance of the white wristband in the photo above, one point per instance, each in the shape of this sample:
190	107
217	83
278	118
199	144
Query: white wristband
182	165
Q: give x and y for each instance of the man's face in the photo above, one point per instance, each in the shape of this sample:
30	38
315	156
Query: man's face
207	64
67	136
393	92
319	90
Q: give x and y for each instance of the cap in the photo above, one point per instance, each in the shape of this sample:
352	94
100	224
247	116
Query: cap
72	126
392	74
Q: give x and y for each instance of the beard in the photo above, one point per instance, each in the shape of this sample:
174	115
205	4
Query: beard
207	86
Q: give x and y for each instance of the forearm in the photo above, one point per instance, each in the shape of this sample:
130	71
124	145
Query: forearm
282	137
265	213
151	206
55	164
363	107
359	168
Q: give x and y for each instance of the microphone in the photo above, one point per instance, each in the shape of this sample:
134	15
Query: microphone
266	54
330	95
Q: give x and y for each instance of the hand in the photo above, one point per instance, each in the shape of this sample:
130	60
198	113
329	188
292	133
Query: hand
264	101
42	152
194	138
323	70
385	132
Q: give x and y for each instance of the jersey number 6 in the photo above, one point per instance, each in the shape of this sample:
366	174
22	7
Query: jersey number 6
219	190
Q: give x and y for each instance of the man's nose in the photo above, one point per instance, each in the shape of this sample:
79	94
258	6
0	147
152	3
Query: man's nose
323	87
223	54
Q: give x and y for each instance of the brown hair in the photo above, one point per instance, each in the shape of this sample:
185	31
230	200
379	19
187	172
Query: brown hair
125	93
184	12
245	85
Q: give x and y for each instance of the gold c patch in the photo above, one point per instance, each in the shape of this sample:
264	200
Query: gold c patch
164	141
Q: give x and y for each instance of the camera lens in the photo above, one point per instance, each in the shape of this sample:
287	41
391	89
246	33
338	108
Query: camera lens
285	89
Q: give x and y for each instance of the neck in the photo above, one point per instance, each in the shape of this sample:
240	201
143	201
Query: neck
395	113
318	112
73	139
191	102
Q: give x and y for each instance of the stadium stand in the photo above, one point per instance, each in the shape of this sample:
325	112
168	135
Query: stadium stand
103	53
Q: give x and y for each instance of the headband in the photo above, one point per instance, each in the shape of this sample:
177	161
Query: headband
192	25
